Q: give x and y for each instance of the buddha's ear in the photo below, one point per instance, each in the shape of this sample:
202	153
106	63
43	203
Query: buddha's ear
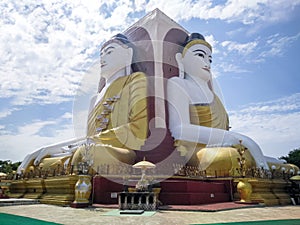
129	61
130	54
179	60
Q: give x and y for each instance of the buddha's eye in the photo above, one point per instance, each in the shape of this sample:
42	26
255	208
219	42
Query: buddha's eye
200	54
210	61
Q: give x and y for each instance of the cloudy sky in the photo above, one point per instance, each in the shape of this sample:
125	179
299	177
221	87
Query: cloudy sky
46	49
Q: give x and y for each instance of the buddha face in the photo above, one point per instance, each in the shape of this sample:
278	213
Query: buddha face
197	60
113	58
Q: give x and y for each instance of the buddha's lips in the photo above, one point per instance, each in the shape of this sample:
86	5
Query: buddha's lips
102	65
206	69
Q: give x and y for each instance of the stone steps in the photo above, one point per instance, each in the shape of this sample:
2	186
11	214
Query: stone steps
18	201
269	192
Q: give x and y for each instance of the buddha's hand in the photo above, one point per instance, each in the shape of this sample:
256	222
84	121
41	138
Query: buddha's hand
95	140
90	141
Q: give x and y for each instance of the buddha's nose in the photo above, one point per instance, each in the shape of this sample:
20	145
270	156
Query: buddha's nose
207	66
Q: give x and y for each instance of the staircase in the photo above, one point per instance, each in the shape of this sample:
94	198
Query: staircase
269	192
57	190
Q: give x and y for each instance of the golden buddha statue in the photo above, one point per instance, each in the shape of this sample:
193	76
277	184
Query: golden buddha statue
117	122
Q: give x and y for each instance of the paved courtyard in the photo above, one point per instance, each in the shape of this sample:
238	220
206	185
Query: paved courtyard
67	215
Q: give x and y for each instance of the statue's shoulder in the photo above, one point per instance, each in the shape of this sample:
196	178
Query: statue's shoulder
137	75
176	81
134	78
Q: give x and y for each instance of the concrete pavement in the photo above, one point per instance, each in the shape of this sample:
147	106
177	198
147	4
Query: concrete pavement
68	215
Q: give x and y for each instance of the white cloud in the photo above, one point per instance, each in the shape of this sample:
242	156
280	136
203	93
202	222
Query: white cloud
213	42
277	45
28	137
252	52
229	67
247	12
273	125
119	16
67	115
46	47
285	104
6	112
140	5
276	134
243	49
34	128
278	10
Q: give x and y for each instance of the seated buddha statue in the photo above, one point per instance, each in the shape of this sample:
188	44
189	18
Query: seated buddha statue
197	117
117	121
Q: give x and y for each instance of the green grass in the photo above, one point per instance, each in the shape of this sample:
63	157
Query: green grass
265	222
9	219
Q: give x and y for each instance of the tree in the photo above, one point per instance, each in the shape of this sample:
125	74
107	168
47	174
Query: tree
293	157
7	166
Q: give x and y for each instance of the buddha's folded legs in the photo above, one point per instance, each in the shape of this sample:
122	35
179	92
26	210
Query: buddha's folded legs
103	155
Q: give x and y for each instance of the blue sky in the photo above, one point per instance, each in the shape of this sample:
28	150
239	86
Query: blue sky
47	47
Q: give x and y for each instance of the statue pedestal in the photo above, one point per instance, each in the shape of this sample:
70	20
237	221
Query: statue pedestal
17	189
59	190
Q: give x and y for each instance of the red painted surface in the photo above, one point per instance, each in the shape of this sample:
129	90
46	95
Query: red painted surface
173	192
158	147
190	192
102	189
